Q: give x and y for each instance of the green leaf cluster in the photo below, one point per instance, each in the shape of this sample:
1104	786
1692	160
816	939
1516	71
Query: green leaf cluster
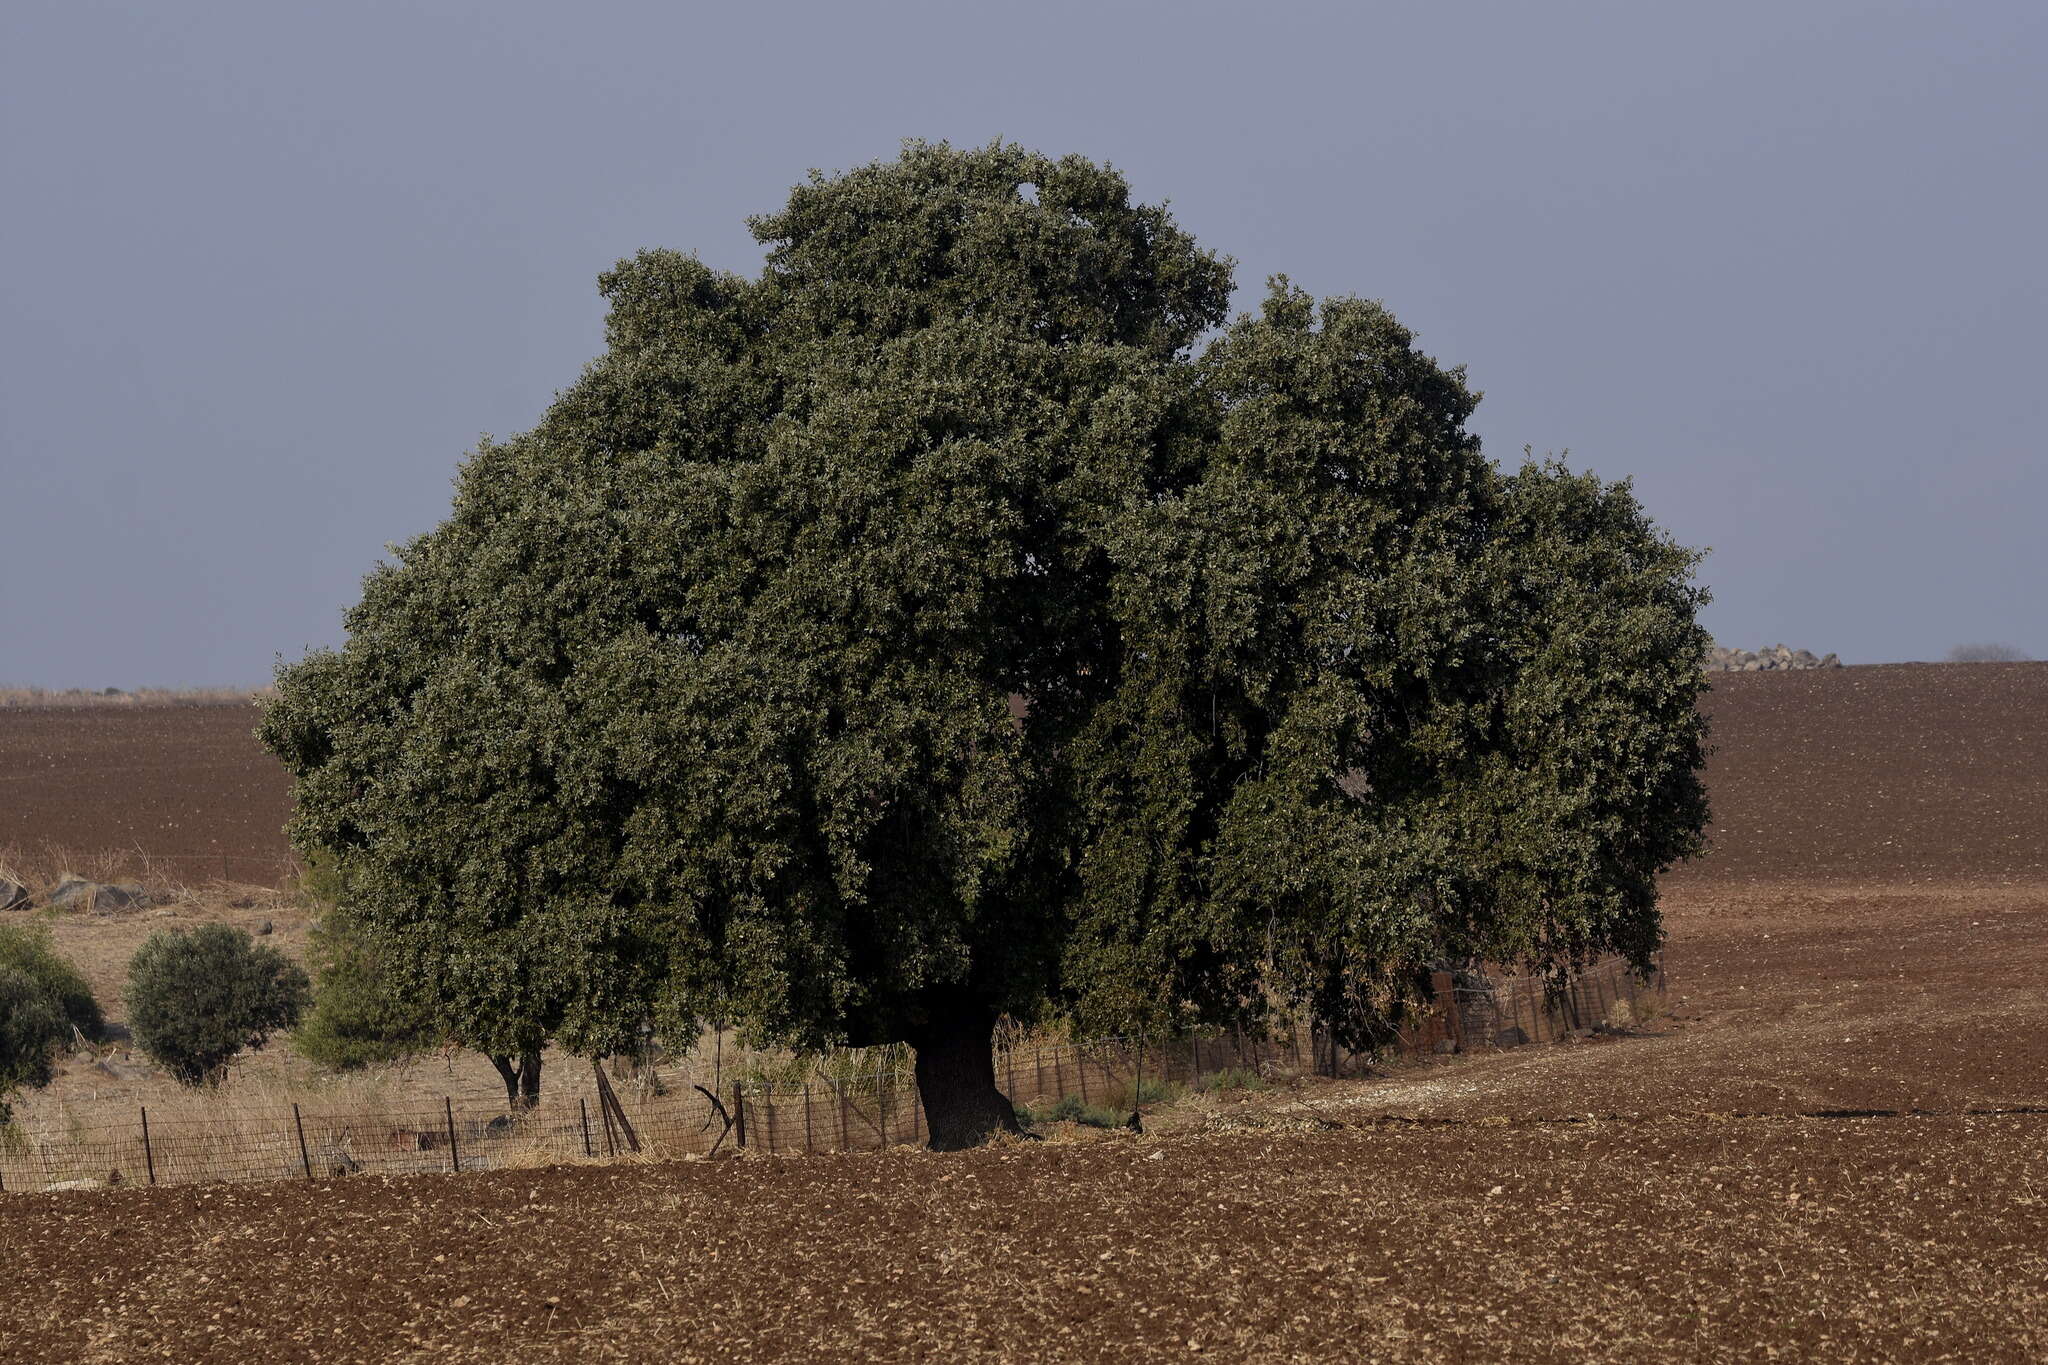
936	626
358	1016
43	998
198	997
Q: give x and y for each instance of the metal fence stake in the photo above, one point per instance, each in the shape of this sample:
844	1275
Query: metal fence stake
148	1157
739	1110
454	1157
583	1109
305	1160
1138	1078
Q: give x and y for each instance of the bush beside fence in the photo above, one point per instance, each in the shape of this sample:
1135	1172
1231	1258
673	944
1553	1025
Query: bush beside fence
663	1116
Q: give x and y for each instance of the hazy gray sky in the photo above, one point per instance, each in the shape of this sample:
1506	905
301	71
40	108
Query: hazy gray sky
269	268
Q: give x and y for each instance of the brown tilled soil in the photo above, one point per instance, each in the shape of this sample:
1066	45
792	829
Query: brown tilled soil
1833	1146
177	793
1901	773
1811	1239
1896	773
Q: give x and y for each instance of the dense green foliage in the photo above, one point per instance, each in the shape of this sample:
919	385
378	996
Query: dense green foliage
27	946
358	1017
198	997
43	998
930	628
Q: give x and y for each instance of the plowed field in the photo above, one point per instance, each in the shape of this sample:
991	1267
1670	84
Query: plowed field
180	793
1835	1146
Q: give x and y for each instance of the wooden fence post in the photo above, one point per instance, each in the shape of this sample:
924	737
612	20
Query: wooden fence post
300	1124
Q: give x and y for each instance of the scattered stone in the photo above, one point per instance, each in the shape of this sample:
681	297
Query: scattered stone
265	928
76	893
13	895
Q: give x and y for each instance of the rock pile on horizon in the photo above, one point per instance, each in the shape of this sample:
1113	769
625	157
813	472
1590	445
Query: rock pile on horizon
1723	660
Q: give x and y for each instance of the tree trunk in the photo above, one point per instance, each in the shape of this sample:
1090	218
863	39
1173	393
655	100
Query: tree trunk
522	1082
956	1080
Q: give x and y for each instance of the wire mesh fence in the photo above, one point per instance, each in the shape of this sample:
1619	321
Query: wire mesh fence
665	1115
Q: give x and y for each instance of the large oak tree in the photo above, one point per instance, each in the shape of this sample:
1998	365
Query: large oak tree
958	619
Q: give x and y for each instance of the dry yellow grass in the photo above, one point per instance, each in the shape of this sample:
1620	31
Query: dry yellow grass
71	697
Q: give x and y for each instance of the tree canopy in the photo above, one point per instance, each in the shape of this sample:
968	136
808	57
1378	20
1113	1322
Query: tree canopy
965	617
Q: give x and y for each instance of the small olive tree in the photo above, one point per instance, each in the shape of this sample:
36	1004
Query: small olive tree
198	997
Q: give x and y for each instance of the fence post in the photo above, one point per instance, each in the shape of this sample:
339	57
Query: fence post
809	1135
583	1110
300	1124
882	1101
1081	1065
1138	1078
454	1157
148	1157
739	1113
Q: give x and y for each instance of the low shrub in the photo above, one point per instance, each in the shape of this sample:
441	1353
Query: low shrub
196	998
1151	1090
1232	1078
358	1017
43	1001
1071	1109
28	948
